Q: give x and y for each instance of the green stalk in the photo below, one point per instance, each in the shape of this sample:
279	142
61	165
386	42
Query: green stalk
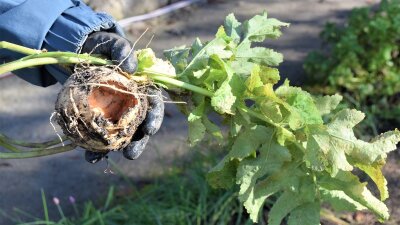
181	84
8	146
93	59
37	153
16	65
147	71
18	48
46	144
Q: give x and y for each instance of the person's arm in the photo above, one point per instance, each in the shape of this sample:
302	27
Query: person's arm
56	25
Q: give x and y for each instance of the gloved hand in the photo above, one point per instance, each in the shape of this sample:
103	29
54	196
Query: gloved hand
112	46
118	49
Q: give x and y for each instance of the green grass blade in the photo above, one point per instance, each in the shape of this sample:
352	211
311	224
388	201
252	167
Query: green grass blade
45	209
110	197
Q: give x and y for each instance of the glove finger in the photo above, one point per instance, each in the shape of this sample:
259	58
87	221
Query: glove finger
113	47
94	157
135	148
100	43
123	54
155	114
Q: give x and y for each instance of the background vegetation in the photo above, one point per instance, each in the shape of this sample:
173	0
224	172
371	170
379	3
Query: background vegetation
361	60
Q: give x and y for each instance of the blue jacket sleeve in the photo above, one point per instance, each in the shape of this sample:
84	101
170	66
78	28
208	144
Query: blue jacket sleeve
56	25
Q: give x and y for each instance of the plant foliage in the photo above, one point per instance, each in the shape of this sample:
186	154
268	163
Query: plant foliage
280	140
363	61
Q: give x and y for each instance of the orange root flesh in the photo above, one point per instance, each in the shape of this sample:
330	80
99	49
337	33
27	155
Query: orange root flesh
113	104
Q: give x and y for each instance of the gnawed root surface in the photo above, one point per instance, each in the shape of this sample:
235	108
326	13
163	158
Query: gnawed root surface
99	109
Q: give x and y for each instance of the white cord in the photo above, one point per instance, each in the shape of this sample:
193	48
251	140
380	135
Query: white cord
158	12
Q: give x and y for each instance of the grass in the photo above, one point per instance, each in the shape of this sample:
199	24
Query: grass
180	197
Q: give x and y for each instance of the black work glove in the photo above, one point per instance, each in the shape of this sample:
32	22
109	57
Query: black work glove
118	49
113	47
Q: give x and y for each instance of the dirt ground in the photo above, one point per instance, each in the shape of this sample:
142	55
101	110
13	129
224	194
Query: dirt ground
29	108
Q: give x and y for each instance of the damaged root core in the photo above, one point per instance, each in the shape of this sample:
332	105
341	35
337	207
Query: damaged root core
99	109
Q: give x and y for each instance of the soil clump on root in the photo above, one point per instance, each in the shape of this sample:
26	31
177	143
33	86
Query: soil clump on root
99	109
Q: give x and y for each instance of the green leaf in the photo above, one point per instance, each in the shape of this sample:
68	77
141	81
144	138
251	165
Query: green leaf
308	213
224	98
260	27
237	123
233	27
242	67
299	196
199	73
149	63
196	46
269	75
253	81
213	81
213	129
282	207
340	128
272	110
249	141
284	136
325	152
301	106
200	60
259	85
328	148
340	201
377	149
196	127
326	104
223	175
270	160
178	57
352	187
375	172
197	131
344	121
287	177
146	58
259	55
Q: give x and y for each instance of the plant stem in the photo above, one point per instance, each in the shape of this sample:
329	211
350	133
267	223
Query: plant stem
46	144
18	48
8	146
8	67
147	71
93	59
37	152
181	84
